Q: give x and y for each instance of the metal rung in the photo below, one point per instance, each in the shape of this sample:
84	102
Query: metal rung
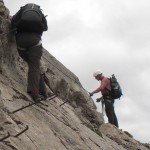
26	128
30	104
63	103
8	134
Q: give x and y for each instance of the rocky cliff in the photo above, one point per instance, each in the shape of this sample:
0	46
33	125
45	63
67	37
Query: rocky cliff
75	125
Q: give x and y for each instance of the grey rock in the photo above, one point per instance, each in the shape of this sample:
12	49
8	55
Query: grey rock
76	125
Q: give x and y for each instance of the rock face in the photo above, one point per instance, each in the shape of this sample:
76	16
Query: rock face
76	125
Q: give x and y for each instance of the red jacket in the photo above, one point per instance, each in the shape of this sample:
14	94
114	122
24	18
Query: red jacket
104	88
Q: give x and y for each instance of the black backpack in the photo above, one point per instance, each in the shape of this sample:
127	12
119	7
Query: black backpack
116	91
30	18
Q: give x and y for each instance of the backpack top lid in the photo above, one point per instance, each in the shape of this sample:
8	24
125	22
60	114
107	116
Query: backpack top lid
32	4
31	13
30	19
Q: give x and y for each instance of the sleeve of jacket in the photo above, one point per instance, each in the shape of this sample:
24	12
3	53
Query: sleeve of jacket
102	86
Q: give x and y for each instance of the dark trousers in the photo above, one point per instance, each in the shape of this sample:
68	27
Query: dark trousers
32	55
110	112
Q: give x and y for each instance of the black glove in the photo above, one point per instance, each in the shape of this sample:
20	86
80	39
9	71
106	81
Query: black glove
99	99
90	93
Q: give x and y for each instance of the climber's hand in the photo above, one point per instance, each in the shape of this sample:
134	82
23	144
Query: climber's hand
91	93
99	99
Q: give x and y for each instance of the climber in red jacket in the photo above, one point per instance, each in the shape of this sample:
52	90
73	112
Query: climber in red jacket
105	89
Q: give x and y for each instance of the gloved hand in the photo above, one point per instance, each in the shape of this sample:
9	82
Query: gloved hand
99	99
90	93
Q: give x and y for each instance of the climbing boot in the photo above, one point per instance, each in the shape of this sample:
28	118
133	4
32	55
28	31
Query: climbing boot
36	97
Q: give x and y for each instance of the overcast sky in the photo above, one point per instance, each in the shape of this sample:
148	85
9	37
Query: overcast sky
110	35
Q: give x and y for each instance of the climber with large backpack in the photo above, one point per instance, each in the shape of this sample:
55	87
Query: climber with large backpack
110	90
30	23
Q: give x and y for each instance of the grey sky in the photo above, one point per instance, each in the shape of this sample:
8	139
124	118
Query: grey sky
111	35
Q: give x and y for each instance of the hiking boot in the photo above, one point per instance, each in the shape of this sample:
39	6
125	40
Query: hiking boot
50	94
36	97
44	94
